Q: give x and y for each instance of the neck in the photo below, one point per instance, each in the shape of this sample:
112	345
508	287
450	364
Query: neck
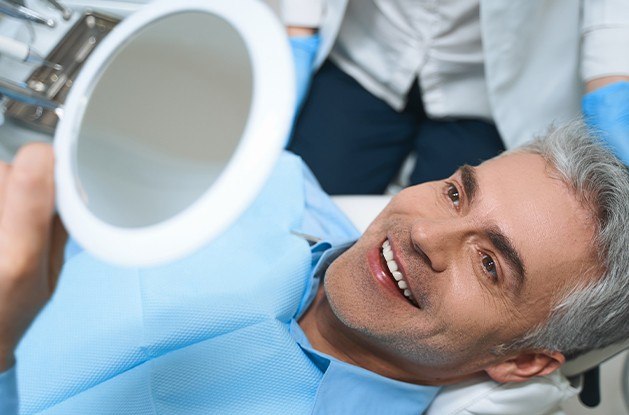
321	328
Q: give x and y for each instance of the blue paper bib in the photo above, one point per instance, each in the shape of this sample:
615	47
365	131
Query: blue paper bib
206	335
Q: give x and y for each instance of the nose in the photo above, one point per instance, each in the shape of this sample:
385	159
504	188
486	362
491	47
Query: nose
437	241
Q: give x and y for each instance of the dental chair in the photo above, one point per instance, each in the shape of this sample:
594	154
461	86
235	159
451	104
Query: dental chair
539	396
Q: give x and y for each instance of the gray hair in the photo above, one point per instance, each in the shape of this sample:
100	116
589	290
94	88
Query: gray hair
594	313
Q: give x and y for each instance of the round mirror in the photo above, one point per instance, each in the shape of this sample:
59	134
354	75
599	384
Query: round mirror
163	120
172	128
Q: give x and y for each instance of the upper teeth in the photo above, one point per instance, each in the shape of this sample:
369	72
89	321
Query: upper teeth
387	253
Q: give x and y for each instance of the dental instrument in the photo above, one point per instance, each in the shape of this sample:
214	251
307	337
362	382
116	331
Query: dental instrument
24	13
70	53
21	92
66	12
23	52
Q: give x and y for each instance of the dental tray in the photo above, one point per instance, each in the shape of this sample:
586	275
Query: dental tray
71	53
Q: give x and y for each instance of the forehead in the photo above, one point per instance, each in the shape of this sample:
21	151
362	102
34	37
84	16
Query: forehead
539	213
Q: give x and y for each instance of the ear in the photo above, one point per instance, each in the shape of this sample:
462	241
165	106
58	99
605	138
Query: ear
525	366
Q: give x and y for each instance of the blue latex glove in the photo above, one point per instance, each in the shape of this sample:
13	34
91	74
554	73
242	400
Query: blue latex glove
304	52
606	110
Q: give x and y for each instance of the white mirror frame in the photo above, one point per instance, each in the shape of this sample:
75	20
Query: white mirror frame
263	138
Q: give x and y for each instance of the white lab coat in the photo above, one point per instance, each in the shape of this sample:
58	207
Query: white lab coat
538	55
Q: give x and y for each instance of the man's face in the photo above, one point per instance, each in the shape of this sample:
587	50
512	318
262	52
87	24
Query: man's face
483	255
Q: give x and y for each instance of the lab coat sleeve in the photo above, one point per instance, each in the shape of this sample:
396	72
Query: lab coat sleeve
8	393
331	19
605	34
301	13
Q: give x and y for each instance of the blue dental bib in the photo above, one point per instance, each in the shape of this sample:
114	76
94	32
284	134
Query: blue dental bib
208	334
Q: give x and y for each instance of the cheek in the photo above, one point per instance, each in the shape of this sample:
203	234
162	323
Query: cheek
396	212
379	225
471	316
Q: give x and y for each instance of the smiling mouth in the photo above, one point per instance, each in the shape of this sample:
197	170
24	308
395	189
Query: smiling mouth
395	273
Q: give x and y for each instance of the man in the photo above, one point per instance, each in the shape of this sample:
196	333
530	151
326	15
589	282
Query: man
503	270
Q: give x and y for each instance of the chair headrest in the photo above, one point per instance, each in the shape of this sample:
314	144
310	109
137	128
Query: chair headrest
592	359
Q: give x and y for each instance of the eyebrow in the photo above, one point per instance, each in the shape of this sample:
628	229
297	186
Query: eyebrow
495	235
470	182
504	245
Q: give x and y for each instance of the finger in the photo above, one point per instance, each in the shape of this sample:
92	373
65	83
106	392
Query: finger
59	237
28	205
4	174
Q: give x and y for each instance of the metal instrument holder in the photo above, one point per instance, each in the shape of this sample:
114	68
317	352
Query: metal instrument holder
54	84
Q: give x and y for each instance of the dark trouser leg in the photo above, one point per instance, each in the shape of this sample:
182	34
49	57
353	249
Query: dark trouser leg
442	146
353	142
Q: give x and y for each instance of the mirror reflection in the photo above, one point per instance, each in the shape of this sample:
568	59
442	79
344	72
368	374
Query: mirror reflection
163	120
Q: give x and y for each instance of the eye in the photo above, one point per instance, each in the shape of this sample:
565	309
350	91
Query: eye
489	266
454	195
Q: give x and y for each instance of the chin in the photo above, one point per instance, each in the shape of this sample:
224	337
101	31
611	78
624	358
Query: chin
357	317
343	304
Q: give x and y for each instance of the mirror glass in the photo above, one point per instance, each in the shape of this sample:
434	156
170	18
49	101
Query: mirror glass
163	119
